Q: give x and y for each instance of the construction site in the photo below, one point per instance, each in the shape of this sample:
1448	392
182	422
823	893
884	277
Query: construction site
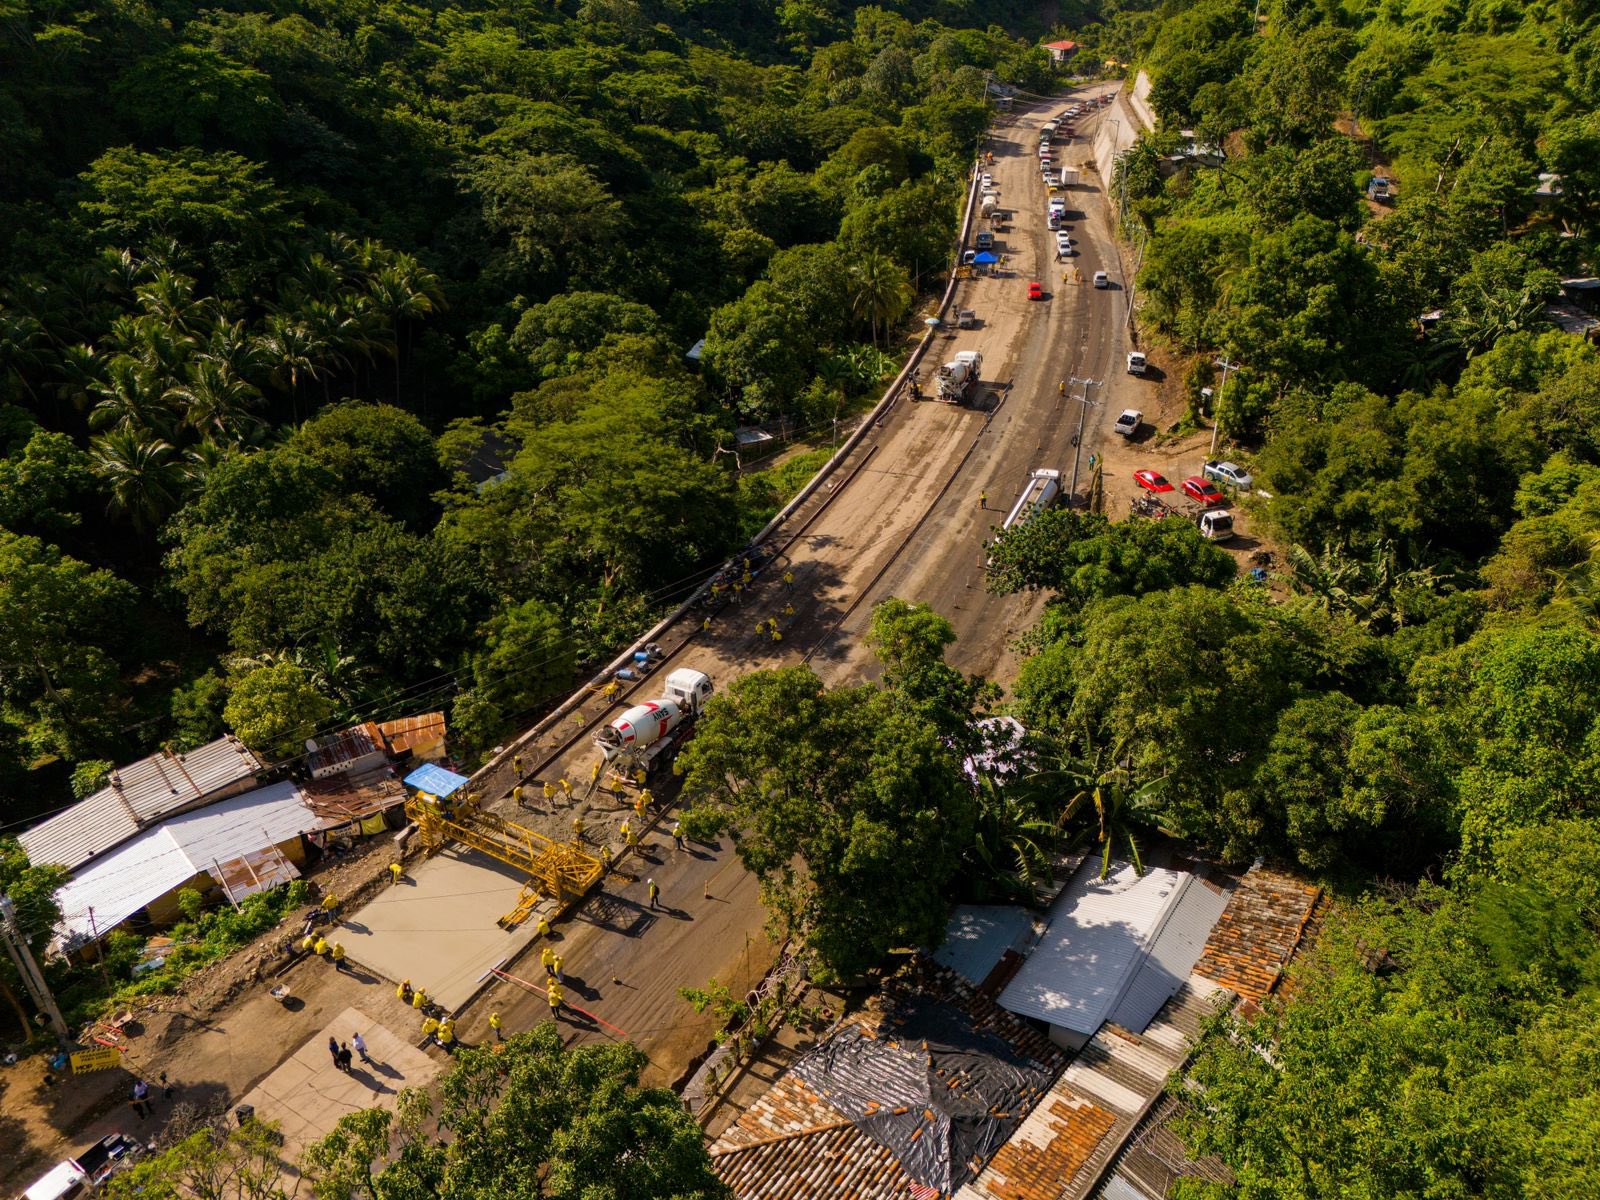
563	841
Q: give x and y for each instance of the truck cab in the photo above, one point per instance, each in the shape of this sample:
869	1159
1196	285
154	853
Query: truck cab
984	240
1137	363
690	688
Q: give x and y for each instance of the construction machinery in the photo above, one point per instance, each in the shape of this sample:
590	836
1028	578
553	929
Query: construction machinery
559	870
643	735
956	378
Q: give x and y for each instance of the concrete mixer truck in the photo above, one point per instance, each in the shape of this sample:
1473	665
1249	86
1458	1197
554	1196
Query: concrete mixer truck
645	733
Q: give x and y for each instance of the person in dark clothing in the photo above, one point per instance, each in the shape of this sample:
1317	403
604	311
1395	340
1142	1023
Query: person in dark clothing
344	1059
333	1050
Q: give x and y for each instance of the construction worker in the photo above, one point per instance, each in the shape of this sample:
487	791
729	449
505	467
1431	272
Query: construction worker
330	905
594	773
337	954
307	942
641	803
419	999
403	992
494	1024
1061	388
605	854
447	1034
705	625
746	578
430	1028
716	591
396	872
788	610
577	829
776	636
555	963
543	927
566	790
639	776
547	956
610	690
761	627
554	995
549	793
629	835
655	893
320	948
516	795
983	499
516	765
738	592
788	579
677	834
625	829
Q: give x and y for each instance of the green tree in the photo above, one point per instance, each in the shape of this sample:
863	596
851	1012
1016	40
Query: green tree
60	619
866	798
880	291
529	658
530	1119
379	451
1084	557
219	1161
274	709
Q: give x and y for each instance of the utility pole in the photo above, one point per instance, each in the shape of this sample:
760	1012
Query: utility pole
1216	412
17	946
1084	404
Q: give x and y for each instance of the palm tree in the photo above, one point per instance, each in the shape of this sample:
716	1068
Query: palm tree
215	403
1012	843
404	291
139	471
1367	589
1104	785
129	399
292	352
880	292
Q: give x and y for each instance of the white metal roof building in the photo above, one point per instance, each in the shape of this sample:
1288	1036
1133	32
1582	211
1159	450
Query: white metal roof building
978	936
1115	950
154	862
139	795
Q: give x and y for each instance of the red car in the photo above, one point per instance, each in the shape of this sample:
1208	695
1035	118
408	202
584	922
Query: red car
1035	291
1203	490
1152	481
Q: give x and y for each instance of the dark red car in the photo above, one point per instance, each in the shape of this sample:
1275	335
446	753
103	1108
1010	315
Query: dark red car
1203	490
1152	481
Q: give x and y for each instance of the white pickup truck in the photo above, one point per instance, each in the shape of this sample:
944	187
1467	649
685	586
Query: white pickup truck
1229	473
1136	362
1128	423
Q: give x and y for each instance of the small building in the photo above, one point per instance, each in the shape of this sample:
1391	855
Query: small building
140	795
415	739
234	847
1116	949
359	748
1061	53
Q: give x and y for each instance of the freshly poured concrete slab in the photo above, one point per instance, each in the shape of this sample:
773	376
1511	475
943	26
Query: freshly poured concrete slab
307	1094
437	926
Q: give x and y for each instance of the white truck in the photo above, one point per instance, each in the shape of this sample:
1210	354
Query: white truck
1069	176
988	205
1128	423
957	377
646	732
1136	362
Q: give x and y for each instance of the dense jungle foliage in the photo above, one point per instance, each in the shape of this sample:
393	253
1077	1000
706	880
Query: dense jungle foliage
342	347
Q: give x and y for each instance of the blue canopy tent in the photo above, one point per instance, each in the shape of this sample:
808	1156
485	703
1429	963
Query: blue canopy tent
986	259
435	780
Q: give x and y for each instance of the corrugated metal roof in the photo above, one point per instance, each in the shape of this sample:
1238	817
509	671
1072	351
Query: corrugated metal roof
151	864
1097	935
1178	945
435	780
978	934
137	796
409	733
360	744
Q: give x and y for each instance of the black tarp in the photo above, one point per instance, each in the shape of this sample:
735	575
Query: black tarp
939	1094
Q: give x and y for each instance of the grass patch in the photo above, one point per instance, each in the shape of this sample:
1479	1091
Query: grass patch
763	493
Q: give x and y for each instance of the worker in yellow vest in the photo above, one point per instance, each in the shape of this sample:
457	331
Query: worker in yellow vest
447	1033
320	948
403	992
494	1026
547	956
554	995
396	872
337	954
430	1027
419	999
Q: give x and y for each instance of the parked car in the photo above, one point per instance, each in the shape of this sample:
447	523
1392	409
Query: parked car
1035	291
1063	244
1102	280
966	319
1203	490
1138	364
1229	473
1128	423
1152	481
984	240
